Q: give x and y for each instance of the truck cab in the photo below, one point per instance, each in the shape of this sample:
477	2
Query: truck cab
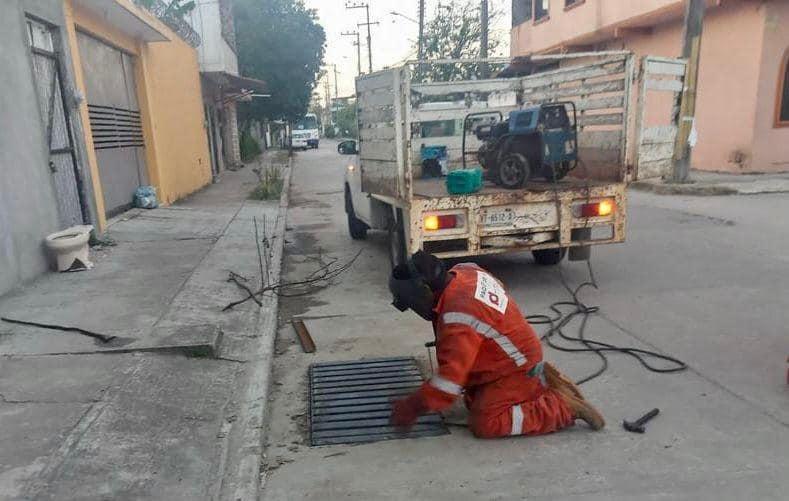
306	132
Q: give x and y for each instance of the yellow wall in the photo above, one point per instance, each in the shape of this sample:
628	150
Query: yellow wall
168	90
175	118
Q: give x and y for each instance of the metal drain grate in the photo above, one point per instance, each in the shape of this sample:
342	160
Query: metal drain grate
350	402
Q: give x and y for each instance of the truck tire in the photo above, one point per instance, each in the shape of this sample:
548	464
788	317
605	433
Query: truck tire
397	252
356	227
513	170
549	257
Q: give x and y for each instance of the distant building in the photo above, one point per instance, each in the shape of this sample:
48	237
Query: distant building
223	87
742	114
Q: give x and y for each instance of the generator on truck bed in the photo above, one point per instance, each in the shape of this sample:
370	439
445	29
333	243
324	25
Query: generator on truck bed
406	110
539	141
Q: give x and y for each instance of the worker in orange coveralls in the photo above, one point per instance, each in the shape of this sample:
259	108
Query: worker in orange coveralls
487	352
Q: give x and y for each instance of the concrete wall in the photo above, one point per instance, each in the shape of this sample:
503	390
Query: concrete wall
214	51
740	60
175	114
771	143
28	203
583	22
722	140
167	75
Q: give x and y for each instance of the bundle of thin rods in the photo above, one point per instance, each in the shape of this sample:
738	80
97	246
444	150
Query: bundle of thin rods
323	276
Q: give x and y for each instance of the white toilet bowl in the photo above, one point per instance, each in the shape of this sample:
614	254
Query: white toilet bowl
70	248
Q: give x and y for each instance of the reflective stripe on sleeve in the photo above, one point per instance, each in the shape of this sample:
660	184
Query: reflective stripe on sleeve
489	332
517	420
445	385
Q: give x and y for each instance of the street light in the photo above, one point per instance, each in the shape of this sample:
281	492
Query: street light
395	13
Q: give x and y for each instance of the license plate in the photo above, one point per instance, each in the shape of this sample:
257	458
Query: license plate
520	216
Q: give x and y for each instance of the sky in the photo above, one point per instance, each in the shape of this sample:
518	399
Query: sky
392	40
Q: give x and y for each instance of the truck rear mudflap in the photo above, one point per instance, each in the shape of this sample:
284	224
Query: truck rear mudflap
565	215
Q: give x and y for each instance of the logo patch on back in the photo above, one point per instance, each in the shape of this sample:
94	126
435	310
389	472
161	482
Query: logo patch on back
490	292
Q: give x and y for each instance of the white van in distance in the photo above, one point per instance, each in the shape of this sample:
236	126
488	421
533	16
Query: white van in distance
306	133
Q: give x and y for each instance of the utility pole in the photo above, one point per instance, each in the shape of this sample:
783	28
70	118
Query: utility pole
483	48
336	88
421	44
358	44
691	51
366	7
326	102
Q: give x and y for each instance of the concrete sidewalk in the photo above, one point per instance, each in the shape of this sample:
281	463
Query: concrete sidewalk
167	410
714	183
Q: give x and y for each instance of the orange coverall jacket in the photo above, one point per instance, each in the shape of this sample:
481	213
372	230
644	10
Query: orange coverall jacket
489	352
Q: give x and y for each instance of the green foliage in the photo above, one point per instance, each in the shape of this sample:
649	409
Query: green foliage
454	32
270	184
250	149
281	43
346	121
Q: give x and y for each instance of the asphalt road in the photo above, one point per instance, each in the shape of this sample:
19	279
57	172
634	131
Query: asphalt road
702	279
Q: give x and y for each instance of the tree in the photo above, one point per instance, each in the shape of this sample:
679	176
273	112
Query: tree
345	118
281	43
454	32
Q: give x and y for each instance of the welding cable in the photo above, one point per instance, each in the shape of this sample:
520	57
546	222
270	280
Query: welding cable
561	319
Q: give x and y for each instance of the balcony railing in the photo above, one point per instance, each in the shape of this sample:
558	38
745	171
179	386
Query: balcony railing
160	9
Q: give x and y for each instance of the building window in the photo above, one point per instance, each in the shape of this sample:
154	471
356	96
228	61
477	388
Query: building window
521	11
40	36
782	104
569	4
541	8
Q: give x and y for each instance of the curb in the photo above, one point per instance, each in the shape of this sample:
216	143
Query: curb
248	476
714	189
683	189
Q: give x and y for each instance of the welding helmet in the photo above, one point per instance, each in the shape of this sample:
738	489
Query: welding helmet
416	284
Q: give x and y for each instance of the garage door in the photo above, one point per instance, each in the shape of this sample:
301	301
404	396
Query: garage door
114	121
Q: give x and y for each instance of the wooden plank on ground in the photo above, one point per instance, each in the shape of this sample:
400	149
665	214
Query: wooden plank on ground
307	344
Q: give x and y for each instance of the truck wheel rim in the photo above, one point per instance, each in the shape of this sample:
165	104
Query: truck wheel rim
510	172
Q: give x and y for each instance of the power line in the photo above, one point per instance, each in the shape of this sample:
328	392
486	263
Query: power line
366	7
358	44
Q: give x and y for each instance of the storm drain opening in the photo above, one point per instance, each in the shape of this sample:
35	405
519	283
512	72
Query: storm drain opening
350	402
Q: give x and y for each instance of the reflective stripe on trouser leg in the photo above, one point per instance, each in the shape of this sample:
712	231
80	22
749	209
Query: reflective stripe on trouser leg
517	420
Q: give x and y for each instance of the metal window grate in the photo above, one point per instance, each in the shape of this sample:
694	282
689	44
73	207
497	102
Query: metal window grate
115	127
350	402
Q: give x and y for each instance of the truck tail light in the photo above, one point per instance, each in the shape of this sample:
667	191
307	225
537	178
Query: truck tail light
596	209
433	223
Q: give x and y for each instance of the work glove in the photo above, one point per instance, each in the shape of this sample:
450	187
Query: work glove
406	411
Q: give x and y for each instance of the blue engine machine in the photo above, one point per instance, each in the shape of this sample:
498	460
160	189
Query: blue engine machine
534	142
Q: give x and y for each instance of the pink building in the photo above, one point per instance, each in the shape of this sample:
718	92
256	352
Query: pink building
742	114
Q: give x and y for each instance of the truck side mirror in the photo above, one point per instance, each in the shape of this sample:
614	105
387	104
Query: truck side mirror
347	148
